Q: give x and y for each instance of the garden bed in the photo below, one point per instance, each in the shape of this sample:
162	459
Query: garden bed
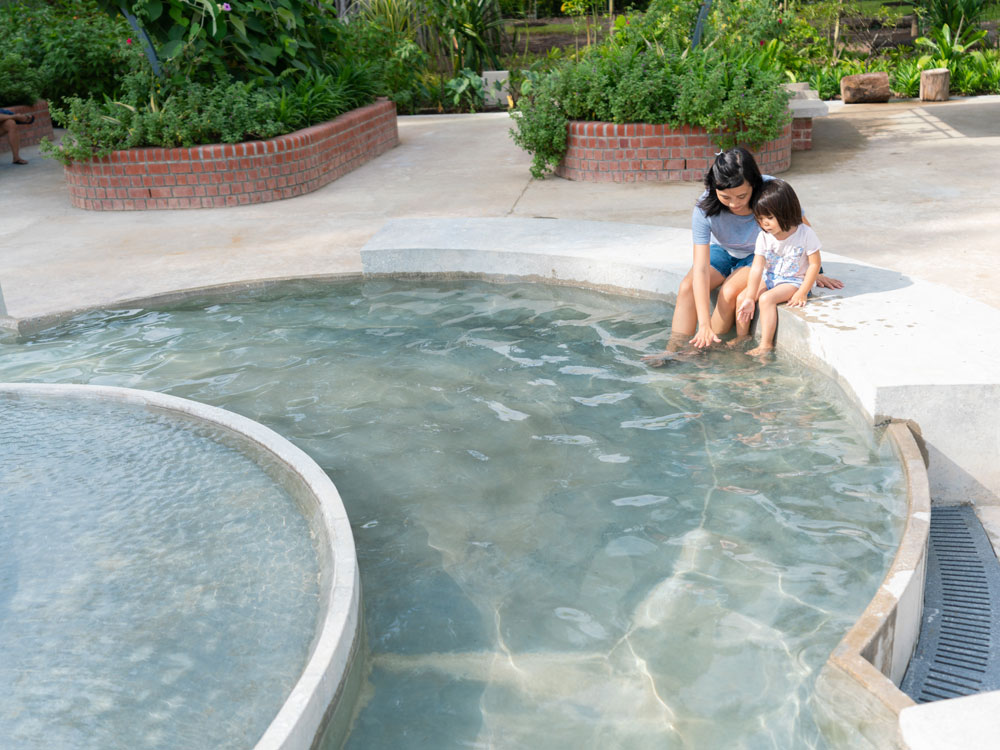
31	134
234	174
609	152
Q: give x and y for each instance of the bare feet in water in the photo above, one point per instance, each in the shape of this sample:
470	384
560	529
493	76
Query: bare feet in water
760	350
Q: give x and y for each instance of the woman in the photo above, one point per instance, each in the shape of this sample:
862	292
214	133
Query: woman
724	232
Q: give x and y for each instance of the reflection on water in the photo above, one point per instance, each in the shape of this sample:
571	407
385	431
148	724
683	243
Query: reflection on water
559	545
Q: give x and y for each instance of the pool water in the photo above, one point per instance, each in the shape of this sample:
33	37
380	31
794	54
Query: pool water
158	589
559	545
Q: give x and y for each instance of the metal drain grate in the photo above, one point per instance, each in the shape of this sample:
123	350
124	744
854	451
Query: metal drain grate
957	652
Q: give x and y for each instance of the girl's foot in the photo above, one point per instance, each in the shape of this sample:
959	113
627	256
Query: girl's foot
20	161
760	350
739	340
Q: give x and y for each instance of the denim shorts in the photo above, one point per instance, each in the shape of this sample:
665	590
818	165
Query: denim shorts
725	263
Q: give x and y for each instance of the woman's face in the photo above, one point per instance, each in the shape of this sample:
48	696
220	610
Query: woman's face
736	199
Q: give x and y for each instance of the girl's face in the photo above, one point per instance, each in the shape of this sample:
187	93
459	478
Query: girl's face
736	199
769	224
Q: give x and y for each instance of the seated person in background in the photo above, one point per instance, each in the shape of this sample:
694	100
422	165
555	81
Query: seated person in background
8	126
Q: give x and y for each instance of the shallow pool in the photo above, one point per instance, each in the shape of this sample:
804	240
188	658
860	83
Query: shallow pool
158	589
559	545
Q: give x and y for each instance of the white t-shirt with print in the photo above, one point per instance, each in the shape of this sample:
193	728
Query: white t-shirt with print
787	259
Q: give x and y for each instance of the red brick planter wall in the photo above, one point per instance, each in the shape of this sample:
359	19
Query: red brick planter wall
234	174
606	152
802	134
33	133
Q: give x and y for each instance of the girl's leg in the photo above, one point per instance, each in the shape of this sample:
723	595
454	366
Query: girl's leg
768	323
725	305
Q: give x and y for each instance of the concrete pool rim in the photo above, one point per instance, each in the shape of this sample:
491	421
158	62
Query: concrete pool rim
335	641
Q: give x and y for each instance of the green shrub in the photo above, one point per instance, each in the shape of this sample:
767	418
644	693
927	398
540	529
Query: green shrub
150	111
20	82
73	46
731	96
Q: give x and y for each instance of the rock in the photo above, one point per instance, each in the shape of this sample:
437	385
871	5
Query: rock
865	87
935	84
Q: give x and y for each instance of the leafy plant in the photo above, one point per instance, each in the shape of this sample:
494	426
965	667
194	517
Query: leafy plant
20	82
947	48
731	96
466	90
951	13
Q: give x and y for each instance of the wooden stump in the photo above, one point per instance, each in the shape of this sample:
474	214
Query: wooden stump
865	87
934	85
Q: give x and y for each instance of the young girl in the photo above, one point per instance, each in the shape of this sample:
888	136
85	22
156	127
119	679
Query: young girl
785	264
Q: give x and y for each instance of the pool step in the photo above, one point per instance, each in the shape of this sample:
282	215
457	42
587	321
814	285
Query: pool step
959	648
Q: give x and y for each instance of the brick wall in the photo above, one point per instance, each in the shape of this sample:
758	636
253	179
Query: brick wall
802	134
606	152
234	174
33	133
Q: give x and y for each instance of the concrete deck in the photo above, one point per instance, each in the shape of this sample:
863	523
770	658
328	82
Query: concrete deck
905	186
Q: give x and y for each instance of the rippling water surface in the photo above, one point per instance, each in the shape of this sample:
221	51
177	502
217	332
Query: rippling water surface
157	588
559	545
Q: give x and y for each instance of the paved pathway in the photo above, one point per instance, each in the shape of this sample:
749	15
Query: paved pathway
907	186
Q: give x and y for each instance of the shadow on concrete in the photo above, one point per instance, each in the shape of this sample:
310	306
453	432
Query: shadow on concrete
860	279
973	119
833	140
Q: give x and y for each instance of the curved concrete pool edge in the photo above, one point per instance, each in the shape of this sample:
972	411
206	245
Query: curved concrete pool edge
857	699
302	717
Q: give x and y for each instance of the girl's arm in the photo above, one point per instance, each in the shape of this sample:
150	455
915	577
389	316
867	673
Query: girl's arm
701	286
802	293
746	308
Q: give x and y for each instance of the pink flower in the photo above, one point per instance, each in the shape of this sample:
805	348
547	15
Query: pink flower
761	42
227	6
779	20
128	41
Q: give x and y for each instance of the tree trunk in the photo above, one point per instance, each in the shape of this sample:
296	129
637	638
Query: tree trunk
934	85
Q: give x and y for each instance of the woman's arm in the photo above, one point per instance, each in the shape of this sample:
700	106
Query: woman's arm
701	287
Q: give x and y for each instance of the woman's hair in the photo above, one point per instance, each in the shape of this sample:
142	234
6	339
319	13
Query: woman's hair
776	198
730	170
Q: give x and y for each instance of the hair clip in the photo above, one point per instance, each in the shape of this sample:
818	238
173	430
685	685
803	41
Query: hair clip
718	153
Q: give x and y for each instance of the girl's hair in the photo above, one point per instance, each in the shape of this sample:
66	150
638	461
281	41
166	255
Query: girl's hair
730	170
776	198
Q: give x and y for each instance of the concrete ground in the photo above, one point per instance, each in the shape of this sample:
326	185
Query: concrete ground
908	186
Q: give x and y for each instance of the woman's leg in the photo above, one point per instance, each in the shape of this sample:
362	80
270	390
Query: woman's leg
685	321
725	304
768	322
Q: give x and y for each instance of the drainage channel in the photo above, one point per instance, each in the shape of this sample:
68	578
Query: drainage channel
957	653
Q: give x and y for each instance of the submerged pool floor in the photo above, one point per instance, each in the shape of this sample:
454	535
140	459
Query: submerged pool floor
558	545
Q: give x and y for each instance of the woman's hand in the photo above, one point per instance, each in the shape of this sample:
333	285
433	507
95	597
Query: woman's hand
827	282
705	337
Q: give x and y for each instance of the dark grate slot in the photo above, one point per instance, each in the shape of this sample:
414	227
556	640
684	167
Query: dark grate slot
959	648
